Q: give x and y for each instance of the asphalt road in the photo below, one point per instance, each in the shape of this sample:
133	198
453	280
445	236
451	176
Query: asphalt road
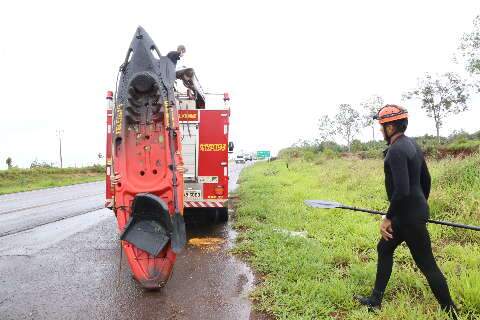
60	259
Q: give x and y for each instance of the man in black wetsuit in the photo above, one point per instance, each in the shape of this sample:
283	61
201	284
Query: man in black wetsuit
407	182
174	56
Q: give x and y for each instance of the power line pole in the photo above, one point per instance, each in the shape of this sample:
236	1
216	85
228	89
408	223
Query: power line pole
60	134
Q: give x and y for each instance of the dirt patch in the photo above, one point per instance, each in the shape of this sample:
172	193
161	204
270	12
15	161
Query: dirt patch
338	315
208	244
255	315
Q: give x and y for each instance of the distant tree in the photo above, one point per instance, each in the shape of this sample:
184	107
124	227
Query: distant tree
301	143
459	135
325	128
40	164
470	48
370	108
357	146
347	123
441	96
9	163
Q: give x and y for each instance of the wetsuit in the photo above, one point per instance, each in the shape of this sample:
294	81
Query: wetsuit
407	182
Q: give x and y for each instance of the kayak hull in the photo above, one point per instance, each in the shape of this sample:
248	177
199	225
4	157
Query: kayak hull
150	190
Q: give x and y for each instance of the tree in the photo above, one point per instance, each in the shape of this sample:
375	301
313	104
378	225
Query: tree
441	96
347	123
470	48
301	143
370	107
9	163
325	128
40	164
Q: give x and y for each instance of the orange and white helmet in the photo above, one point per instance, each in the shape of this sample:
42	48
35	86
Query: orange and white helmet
390	113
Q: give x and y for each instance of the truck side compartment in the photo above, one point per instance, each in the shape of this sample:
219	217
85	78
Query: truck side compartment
205	142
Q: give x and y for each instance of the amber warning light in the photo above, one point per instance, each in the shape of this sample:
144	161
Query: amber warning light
219	190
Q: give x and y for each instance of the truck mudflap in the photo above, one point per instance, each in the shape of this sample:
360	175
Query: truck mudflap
150	227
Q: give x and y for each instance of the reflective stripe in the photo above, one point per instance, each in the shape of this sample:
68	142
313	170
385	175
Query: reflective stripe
205	204
108	203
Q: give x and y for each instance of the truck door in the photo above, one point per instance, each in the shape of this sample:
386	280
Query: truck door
190	150
213	154
190	146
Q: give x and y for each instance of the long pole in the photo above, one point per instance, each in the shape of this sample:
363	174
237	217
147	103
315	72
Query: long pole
59	133
179	234
444	223
171	136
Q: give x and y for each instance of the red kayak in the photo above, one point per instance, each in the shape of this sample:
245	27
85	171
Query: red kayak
146	153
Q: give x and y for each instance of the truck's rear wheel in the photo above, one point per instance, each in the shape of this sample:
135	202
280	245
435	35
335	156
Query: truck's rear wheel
220	215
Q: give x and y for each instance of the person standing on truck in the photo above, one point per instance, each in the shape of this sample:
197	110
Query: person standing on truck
174	56
407	182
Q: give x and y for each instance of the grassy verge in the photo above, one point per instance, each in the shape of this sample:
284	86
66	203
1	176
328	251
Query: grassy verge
312	262
17	180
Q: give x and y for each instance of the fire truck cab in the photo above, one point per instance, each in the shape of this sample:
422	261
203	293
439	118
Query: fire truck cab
205	146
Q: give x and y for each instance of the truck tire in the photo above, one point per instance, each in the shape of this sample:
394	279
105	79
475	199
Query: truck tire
220	215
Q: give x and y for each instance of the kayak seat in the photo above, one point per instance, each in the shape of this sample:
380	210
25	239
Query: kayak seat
149	227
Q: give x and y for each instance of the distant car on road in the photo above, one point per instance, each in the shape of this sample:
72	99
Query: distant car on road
248	157
240	159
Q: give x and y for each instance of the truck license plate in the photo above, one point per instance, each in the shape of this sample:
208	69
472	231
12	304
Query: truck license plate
193	194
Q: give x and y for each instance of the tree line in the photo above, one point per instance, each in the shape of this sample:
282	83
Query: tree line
43	164
440	95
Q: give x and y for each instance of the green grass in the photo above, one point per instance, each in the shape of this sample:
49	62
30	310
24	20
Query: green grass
18	180
472	145
315	276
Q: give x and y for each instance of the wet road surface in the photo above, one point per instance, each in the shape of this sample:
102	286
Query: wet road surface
59	259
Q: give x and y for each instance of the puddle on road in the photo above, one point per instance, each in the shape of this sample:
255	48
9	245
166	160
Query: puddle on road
208	255
246	280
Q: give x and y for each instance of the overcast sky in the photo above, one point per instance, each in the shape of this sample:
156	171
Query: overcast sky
284	63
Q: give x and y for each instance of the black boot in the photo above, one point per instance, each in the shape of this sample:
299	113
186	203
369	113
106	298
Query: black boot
373	302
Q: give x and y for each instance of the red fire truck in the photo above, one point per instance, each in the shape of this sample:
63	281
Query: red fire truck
205	147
